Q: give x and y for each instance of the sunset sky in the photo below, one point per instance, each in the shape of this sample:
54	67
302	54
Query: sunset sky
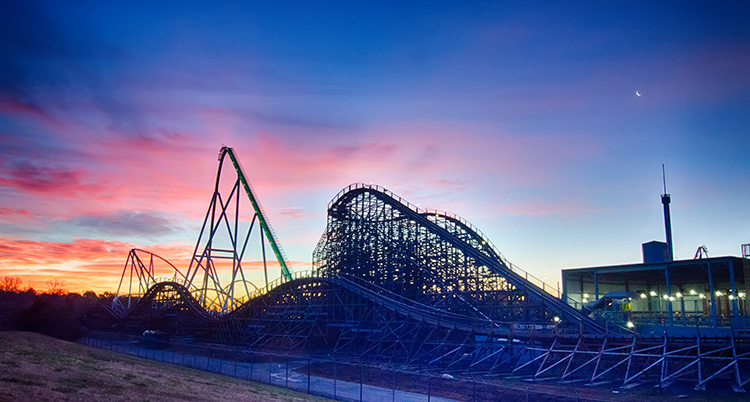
522	118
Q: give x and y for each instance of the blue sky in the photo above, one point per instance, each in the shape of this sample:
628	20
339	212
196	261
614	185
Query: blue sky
521	118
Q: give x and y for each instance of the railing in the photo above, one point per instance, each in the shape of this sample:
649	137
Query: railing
690	319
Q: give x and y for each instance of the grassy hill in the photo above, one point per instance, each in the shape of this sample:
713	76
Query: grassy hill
35	367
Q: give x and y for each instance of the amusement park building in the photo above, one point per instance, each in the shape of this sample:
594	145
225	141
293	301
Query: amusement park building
708	294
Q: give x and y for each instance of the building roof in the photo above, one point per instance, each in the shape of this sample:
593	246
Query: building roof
658	265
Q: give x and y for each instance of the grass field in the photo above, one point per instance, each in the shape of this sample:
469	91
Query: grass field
35	367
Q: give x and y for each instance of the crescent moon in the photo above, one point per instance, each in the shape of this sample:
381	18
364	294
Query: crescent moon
636	92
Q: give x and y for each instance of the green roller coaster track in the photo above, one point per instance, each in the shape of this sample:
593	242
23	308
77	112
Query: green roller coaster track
258	211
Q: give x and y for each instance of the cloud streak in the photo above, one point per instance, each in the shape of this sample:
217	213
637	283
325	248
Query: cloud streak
127	223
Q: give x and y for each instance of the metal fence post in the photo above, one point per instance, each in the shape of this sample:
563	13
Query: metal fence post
309	362
286	376
474	389
393	398
361	380
429	388
334	379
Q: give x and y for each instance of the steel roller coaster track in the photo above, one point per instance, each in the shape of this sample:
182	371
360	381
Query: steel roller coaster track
394	284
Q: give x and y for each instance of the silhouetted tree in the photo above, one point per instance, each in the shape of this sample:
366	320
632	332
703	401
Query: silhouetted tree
56	287
49	315
11	284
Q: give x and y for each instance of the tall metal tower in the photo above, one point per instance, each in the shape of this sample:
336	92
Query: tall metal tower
665	200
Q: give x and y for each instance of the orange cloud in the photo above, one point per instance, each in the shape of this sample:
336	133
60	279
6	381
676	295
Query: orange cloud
98	264
83	264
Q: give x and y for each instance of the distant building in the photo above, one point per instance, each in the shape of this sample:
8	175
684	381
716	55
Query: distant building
699	294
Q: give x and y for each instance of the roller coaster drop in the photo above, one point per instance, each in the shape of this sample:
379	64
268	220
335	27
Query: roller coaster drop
397	285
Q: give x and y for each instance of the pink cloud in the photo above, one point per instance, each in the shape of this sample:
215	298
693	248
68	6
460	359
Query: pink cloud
15	216
54	181
409	153
31	112
299	213
11	107
13	212
117	173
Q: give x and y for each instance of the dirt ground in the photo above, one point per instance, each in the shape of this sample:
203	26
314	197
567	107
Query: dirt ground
35	367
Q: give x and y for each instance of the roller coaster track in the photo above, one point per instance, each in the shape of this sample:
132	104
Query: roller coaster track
262	218
167	302
224	239
389	300
183	296
472	243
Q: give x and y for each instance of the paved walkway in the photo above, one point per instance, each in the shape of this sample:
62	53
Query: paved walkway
282	374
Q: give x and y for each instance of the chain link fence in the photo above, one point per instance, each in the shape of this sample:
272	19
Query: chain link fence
329	378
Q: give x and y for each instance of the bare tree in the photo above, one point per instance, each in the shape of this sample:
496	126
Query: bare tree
56	287
11	284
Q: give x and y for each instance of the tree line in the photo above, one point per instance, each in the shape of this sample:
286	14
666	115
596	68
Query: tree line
55	312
